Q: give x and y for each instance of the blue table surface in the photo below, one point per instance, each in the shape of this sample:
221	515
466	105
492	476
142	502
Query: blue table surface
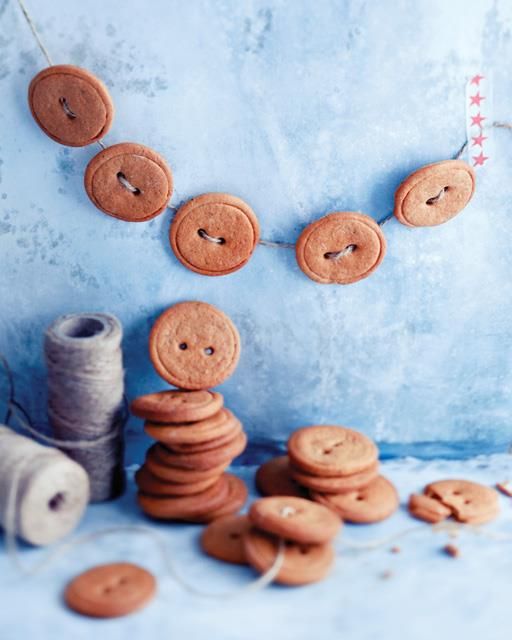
418	594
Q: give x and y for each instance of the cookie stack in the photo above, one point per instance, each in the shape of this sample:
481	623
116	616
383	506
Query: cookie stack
183	476
335	466
304	530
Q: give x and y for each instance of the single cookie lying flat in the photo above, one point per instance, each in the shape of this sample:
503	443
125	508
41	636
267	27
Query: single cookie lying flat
223	539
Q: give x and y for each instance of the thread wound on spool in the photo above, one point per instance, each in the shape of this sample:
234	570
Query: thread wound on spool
43	494
85	395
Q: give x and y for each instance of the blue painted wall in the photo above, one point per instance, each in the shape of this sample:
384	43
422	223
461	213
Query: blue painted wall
300	108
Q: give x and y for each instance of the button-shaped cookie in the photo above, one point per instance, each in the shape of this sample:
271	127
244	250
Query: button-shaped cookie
374	503
435	193
177	406
223	539
295	519
468	501
129	181
273	478
327	450
214	234
302	564
340	248
110	590
70	105
336	484
220	424
194	345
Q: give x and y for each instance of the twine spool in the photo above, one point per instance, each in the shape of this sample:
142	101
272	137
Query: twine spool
43	494
85	396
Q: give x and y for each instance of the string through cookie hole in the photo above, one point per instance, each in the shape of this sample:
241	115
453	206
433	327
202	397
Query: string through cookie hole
127	184
336	255
206	236
67	109
440	196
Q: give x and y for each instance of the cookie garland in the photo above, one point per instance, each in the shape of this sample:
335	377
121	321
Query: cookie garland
215	234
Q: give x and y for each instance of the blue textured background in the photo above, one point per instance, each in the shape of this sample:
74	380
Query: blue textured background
300	108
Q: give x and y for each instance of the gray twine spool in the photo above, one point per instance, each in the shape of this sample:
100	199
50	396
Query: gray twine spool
43	494
85	396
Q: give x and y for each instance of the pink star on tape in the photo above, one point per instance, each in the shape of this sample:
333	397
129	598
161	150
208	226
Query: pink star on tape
477	120
476	79
476	99
480	159
478	140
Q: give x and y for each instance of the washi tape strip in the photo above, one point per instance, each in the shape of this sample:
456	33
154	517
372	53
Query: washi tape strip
479	118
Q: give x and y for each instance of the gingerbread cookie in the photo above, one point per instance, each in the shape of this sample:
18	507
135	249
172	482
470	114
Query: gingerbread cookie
214	234
295	519
303	564
154	486
194	345
204	460
70	105
234	501
374	503
177	406
273	478
129	181
428	509
110	590
434	194
223	539
336	484
340	248
221	424
168	473
469	502
185	507
331	450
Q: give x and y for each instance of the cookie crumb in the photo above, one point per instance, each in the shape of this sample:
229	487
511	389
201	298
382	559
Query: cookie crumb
505	488
386	575
395	550
451	550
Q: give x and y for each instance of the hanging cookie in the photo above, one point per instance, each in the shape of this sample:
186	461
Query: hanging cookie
214	234
129	181
434	194
340	248
194	345
70	105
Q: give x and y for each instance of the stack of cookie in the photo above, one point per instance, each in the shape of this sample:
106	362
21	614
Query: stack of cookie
183	476
193	346
340	468
302	529
335	466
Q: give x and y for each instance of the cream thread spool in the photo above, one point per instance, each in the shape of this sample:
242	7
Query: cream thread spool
51	492
85	396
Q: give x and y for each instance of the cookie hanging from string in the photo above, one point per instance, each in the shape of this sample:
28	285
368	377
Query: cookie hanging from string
129	181
340	248
434	194
71	105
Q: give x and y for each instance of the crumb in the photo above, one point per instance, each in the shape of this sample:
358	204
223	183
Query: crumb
451	550
386	575
395	550
505	487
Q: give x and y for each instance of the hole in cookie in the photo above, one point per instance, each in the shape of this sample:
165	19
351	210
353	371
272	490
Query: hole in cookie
55	503
456	493
127	184
467	501
359	498
183	346
439	196
66	108
209	351
234	536
206	236
335	255
304	550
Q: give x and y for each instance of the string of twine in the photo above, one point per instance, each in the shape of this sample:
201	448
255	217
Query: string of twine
275	244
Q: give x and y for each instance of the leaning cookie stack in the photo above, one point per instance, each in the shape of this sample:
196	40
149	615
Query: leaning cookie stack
183	476
193	346
301	529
